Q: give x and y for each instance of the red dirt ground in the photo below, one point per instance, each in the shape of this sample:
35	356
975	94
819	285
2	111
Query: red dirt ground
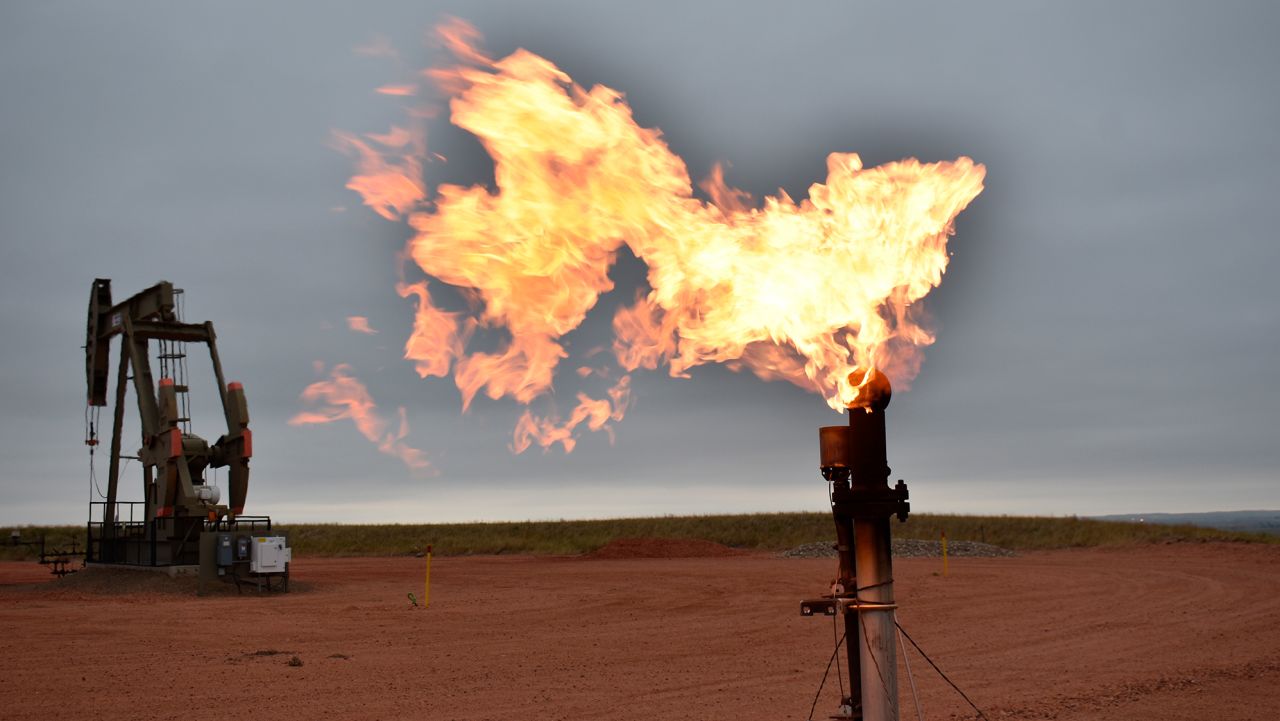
1183	631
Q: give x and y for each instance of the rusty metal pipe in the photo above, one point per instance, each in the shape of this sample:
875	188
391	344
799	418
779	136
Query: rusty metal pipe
873	551
854	460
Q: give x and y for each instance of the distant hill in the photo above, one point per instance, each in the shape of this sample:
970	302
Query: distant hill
1252	521
766	532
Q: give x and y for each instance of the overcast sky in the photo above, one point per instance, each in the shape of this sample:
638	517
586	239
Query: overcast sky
1108	330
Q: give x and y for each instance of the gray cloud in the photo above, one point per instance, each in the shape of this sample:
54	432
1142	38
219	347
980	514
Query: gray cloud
1107	330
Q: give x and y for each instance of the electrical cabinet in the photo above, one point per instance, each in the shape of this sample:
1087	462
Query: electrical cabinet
223	543
269	554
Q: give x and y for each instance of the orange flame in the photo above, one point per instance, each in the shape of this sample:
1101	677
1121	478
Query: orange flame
360	324
798	291
400	90
389	187
344	396
596	413
438	337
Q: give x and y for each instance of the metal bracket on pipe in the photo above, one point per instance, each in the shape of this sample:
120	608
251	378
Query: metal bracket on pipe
831	606
873	503
812	607
867	606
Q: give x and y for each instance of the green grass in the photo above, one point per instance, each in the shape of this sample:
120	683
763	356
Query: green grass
55	537
760	531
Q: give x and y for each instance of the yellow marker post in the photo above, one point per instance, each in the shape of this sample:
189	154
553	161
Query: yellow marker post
426	590
944	553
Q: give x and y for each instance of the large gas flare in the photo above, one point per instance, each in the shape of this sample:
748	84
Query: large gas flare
803	291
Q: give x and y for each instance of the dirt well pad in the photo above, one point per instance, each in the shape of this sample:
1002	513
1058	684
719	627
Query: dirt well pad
1183	631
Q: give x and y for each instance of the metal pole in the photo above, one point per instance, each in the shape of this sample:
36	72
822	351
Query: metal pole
117	428
847	580
873	502
853	460
875	626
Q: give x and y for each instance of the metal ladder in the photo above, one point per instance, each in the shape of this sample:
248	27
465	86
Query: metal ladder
173	364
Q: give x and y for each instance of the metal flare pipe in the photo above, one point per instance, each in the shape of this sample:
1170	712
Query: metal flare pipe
853	459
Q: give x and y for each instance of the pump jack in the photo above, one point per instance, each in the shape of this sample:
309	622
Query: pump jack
179	505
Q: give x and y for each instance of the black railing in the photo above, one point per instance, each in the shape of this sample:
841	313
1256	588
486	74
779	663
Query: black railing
131	542
242	523
137	542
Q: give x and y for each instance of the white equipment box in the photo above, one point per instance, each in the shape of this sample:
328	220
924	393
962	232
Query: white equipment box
269	554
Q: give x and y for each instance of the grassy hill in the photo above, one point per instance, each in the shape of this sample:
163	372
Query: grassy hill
761	531
1252	521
